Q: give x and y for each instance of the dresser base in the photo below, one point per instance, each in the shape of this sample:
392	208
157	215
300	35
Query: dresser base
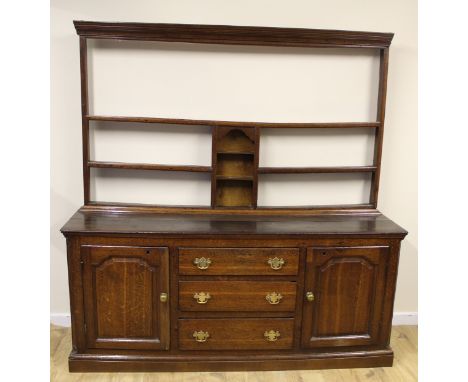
291	293
99	363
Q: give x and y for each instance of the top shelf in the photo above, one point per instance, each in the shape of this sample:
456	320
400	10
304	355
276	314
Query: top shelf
233	35
205	122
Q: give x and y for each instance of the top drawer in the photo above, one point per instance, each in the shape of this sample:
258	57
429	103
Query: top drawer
238	261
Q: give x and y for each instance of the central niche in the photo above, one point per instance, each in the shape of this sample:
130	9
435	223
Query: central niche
235	167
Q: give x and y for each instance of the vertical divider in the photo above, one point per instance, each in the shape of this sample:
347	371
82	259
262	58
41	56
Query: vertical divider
214	161
84	119
379	131
255	169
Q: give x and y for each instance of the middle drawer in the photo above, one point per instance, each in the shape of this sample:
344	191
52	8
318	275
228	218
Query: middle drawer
278	296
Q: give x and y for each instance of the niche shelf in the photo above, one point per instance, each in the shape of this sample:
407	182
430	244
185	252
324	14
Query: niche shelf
234	193
235	166
235	159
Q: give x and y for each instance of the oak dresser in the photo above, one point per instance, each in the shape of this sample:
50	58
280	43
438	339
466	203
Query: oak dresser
233	285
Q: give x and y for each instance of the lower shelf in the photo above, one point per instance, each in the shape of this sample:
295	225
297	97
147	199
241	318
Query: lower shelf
234	193
299	361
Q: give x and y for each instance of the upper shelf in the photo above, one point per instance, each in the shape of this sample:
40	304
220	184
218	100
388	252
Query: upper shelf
233	35
204	122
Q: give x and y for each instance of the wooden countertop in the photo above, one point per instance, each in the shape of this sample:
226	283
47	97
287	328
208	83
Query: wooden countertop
137	223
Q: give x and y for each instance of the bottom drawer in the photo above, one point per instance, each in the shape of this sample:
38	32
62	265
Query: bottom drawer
236	334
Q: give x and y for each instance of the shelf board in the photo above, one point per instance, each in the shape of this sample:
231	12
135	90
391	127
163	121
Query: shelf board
249	207
227	152
350	209
148	166
206	122
315	170
235	177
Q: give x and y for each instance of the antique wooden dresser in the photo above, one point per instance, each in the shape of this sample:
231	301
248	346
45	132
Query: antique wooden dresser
233	285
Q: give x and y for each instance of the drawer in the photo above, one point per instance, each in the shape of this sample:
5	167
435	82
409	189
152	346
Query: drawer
277	296
238	261
236	334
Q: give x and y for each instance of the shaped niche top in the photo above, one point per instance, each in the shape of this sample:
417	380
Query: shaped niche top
236	141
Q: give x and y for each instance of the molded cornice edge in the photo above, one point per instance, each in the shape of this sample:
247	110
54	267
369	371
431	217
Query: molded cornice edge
233	35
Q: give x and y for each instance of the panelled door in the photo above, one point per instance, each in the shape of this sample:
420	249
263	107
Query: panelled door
126	297
344	290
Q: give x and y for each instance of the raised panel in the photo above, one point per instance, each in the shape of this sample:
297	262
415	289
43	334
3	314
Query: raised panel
348	286
344	295
121	289
124	291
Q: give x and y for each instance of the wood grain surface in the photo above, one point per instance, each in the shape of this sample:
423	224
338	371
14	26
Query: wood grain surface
84	221
404	342
239	261
238	334
237	296
232	35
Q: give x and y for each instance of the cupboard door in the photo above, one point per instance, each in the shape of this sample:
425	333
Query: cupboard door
343	296
124	295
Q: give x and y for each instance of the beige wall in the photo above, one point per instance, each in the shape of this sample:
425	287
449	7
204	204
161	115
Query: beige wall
237	83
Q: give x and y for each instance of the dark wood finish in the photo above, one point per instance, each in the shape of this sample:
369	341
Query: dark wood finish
232	35
353	233
348	285
148	166
237	296
374	359
121	289
84	222
206	122
315	170
379	132
84	120
243	334
232	190
214	165
234	166
120	255
75	284
235	140
239	261
256	162
341	209
234	193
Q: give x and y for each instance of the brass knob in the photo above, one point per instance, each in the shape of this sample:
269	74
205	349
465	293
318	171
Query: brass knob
163	297
201	336
202	262
271	335
276	263
202	297
274	298
310	296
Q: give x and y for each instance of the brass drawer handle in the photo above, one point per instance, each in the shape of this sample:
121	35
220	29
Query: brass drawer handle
271	335
202	297
202	262
201	336
276	263
310	296
274	298
163	297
